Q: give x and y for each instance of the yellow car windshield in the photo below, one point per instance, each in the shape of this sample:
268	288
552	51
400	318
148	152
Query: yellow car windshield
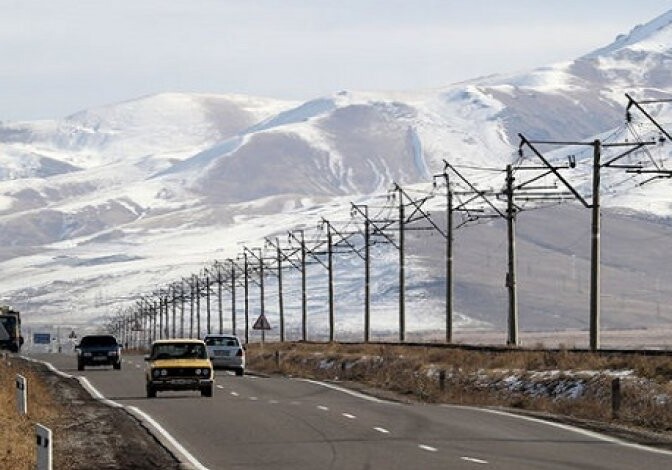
179	351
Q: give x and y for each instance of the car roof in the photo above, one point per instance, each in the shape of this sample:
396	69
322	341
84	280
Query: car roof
222	335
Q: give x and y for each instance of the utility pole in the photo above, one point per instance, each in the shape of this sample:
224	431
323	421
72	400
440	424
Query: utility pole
220	308
207	302
191	308
597	146
402	268
197	283
304	298
159	303
595	249
449	290
512	338
182	299
247	298
279	257
371	228
172	290
281	309
233	297
262	296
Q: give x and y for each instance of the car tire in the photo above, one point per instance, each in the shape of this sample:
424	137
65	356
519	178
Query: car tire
151	392
240	372
206	391
117	365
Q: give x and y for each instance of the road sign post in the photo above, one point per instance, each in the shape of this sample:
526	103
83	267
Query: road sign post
263	325
44	447
21	395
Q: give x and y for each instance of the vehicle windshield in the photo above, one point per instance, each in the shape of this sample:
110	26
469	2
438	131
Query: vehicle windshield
88	341
179	351
8	322
221	341
7	325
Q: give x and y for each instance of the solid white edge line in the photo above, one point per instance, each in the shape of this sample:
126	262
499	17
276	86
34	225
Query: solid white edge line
570	428
131	409
158	428
349	392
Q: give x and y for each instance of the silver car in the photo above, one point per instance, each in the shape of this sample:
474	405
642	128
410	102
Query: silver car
226	352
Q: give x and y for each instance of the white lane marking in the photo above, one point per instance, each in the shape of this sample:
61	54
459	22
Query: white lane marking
96	394
294	402
349	416
137	366
273	402
428	448
569	428
49	366
254	398
235	394
132	409
349	392
157	427
383	430
471	459
323	408
221	387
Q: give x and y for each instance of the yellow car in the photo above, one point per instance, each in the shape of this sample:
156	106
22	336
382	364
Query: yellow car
179	364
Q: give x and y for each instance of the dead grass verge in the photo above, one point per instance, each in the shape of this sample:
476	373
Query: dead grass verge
17	441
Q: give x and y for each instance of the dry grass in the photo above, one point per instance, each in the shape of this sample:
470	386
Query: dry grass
17	433
484	378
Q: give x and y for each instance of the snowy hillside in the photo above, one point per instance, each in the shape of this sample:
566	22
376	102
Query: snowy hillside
108	203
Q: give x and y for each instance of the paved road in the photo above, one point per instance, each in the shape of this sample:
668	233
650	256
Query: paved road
275	423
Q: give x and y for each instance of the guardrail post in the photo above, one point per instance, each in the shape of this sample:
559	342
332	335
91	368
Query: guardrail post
44	447
615	397
21	394
277	358
442	380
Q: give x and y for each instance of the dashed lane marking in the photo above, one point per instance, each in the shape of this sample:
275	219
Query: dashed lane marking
473	460
254	398
428	448
383	430
221	387
273	402
235	394
323	408
349	416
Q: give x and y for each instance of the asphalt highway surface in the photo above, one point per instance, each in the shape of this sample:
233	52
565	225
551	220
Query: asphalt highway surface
282	423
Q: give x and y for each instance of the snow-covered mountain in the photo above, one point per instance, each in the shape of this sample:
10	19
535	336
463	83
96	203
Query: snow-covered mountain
110	202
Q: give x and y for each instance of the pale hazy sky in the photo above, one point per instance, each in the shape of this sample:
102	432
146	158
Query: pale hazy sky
60	56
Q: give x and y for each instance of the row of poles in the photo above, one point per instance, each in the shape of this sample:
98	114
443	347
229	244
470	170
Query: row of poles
155	316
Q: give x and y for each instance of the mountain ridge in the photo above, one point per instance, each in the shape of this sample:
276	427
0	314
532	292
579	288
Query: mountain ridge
220	169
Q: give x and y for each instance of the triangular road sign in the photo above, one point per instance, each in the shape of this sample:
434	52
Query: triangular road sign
261	323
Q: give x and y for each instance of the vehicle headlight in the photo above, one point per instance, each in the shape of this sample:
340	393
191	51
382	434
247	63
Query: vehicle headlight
86	354
164	372
112	353
198	371
206	373
156	372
